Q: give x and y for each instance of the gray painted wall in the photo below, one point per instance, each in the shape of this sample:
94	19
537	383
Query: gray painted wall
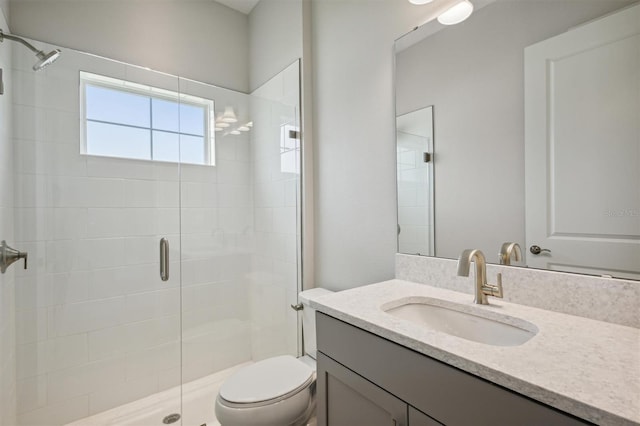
275	38
473	74
354	138
197	39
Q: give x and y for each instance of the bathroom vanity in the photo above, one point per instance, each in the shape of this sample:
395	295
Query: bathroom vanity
377	369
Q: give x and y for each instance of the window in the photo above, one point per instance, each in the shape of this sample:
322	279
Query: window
130	120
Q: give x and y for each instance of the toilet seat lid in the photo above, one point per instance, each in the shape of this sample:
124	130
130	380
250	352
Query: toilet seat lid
267	379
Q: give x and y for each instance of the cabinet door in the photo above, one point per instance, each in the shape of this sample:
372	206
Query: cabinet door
347	399
418	418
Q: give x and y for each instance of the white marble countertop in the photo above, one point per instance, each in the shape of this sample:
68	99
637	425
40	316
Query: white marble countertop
588	368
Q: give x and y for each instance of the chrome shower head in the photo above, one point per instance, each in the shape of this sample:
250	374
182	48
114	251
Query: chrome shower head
44	59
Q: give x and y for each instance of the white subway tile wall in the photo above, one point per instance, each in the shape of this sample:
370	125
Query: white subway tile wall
8	390
95	326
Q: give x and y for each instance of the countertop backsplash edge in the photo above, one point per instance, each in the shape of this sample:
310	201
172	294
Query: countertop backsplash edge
611	300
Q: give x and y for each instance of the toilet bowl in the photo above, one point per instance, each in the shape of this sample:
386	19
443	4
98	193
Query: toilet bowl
278	391
275	391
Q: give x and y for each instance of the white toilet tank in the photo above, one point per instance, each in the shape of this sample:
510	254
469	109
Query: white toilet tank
309	318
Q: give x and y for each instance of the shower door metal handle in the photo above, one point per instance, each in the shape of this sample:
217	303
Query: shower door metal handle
164	259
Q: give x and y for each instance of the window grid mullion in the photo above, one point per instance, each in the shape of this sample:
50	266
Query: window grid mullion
92	120
151	126
205	154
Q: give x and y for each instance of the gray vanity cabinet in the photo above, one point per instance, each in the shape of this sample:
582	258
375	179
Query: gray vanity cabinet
365	380
416	418
353	400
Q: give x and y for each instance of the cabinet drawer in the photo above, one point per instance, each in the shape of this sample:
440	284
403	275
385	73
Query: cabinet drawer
445	393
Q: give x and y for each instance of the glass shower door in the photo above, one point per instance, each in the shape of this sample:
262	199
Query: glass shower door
240	231
109	159
216	232
97	329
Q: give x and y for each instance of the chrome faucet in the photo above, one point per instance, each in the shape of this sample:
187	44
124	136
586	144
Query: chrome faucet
482	289
509	250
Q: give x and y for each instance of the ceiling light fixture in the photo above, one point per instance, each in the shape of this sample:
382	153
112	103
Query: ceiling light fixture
229	116
418	2
456	13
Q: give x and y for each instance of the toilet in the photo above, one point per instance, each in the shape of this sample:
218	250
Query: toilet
275	391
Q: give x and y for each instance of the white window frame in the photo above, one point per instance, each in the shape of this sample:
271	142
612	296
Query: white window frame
91	79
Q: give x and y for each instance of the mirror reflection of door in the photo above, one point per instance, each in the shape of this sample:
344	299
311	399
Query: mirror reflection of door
583	148
414	136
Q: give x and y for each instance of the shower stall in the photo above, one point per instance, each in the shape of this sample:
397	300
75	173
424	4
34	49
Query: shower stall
161	220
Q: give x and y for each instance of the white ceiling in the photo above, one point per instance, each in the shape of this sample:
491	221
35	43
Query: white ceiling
244	6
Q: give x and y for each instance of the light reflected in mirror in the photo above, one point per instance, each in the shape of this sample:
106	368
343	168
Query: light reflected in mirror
479	77
414	144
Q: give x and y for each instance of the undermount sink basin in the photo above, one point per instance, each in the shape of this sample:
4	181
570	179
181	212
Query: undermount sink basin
505	331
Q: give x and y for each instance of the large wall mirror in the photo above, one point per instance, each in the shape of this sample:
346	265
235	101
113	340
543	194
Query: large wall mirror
536	136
